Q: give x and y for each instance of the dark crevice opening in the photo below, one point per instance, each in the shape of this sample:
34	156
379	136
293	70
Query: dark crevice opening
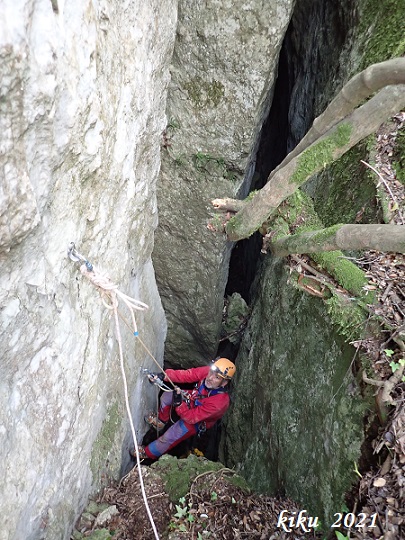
246	254
308	69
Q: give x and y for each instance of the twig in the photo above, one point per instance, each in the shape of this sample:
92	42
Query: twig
386	185
321	277
387	291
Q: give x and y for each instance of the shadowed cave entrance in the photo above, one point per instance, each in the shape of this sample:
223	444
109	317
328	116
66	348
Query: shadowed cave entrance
308	71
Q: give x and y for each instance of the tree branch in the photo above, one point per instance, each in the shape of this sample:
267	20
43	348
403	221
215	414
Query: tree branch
360	87
342	237
332	145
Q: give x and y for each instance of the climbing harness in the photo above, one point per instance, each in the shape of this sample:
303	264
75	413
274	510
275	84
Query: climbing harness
202	426
110	291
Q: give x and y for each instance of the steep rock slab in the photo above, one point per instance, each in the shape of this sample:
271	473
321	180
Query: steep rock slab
83	88
296	423
223	72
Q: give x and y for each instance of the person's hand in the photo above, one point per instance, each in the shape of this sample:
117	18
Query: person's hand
153	377
177	397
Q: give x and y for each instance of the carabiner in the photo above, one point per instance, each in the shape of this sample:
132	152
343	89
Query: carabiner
75	256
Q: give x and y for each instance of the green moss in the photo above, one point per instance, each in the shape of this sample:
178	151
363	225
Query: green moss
381	30
251	195
215	92
203	93
105	441
315	158
178	474
300	214
234	226
345	191
239	482
347	274
280	228
325	234
399	156
349	317
101	534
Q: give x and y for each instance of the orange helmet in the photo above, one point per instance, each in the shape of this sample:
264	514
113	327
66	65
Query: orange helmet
224	368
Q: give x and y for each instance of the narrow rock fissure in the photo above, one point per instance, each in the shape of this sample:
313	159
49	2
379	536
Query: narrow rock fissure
308	65
299	94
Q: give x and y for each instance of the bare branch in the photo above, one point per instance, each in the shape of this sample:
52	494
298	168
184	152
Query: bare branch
342	237
228	205
360	87
332	145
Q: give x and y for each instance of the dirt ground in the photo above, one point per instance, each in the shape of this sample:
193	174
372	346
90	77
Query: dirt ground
213	508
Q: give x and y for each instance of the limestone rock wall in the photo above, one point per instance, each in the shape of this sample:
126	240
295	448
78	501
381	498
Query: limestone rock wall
295	425
82	108
223	72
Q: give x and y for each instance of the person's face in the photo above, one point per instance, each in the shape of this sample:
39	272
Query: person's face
213	380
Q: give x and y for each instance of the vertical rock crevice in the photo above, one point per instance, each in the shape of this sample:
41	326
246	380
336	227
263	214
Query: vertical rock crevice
218	98
296	404
309	73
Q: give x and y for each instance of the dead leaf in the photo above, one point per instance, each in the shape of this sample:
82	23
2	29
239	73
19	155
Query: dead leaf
379	482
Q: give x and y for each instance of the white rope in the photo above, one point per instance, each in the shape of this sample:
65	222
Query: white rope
108	288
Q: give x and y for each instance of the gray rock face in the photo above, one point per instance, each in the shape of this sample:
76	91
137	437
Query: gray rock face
295	426
223	71
82	107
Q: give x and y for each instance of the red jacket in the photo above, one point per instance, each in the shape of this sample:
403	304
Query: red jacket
203	406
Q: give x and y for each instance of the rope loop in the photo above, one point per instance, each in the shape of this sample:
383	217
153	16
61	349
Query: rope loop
109	290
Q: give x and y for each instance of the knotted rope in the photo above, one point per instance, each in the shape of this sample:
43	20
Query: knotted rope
109	290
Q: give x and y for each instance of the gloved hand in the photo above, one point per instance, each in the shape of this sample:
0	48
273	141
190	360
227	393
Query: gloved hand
152	378
177	397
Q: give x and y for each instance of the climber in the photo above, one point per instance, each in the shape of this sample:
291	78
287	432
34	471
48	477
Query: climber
197	409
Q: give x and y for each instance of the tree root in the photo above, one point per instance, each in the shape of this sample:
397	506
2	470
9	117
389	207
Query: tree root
386	387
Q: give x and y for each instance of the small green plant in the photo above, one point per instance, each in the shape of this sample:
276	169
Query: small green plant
214	496
396	365
183	517
181	510
230	175
201	160
389	352
180	160
341	536
173	124
356	470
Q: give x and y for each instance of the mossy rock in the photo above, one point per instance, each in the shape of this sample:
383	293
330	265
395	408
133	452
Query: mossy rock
99	534
178	474
399	156
345	191
380	30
